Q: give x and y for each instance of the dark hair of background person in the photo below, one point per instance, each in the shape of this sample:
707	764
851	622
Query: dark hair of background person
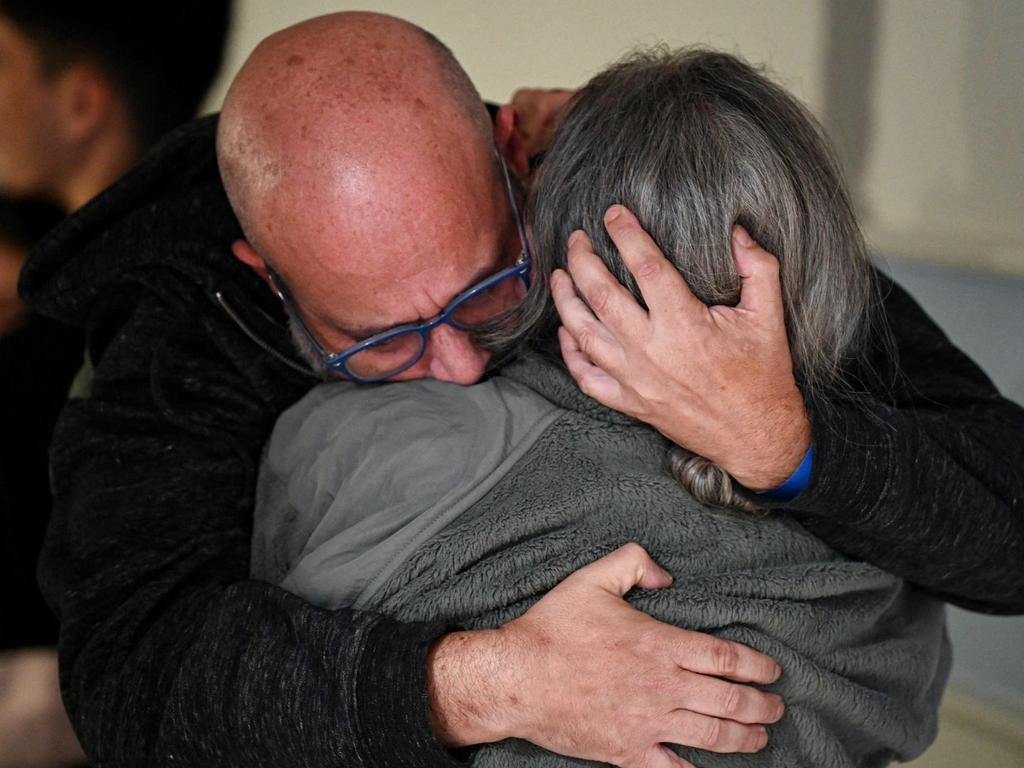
693	142
162	56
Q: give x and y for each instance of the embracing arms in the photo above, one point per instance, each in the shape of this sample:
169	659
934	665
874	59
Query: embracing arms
170	653
924	478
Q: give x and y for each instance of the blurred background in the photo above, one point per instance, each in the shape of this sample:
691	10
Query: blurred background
924	100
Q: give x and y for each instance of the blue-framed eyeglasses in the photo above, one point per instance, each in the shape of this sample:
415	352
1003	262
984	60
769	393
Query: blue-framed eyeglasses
479	308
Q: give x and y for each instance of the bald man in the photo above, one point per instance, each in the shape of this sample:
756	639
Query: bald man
402	143
368	196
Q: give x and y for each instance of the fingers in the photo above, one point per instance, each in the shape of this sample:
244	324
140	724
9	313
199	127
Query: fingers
761	289
742	703
607	298
627	567
663	288
711	733
591	379
591	336
709	655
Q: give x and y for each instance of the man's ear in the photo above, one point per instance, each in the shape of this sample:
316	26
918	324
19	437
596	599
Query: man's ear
248	256
86	99
510	142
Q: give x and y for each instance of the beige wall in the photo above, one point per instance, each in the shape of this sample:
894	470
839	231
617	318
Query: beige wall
935	104
504	44
945	175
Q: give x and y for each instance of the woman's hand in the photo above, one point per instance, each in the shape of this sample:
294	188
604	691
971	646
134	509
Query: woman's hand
539	112
716	380
526	126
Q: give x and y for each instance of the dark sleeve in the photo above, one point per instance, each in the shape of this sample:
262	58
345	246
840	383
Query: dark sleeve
926	477
170	655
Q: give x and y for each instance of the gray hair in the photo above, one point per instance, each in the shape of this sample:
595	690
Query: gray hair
694	142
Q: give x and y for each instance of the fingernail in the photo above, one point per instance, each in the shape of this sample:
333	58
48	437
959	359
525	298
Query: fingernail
612	214
762	740
742	237
574	237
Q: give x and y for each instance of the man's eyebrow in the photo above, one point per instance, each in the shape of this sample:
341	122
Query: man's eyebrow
364	332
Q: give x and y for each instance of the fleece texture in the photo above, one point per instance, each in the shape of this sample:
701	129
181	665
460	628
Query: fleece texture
865	655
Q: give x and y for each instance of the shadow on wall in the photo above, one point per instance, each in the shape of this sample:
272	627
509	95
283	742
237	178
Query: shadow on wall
851	46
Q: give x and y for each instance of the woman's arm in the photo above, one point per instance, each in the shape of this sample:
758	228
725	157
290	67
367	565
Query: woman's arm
925	478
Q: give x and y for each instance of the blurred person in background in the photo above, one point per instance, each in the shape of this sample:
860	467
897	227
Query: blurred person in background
85	90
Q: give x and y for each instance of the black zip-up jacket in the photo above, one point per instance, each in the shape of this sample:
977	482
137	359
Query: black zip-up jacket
171	655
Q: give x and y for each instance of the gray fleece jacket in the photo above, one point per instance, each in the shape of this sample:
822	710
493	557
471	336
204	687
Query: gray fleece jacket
429	501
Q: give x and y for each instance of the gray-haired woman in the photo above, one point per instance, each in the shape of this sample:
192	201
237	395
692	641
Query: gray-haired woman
428	501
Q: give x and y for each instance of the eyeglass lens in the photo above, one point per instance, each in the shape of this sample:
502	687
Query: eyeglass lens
392	355
387	357
489	306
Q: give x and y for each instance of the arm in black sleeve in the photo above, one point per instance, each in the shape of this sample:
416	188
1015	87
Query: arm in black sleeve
169	654
926	477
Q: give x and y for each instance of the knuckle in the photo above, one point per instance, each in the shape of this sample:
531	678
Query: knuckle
710	733
725	658
648	390
650	644
634	551
647	267
600	297
732	702
587	340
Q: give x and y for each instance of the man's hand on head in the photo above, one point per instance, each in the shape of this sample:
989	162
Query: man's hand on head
716	380
584	674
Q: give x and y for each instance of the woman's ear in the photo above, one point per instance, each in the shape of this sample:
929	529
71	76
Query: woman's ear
246	254
509	141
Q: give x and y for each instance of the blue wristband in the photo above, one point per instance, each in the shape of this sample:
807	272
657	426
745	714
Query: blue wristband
796	482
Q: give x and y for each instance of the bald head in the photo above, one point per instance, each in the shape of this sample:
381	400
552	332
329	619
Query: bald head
360	161
344	116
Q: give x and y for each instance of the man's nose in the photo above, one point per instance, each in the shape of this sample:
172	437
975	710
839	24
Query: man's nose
454	357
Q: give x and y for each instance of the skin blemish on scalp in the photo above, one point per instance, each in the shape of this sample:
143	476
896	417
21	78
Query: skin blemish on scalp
294	60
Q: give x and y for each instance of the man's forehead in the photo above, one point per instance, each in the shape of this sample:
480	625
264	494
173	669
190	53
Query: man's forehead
389	285
369	242
369	321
